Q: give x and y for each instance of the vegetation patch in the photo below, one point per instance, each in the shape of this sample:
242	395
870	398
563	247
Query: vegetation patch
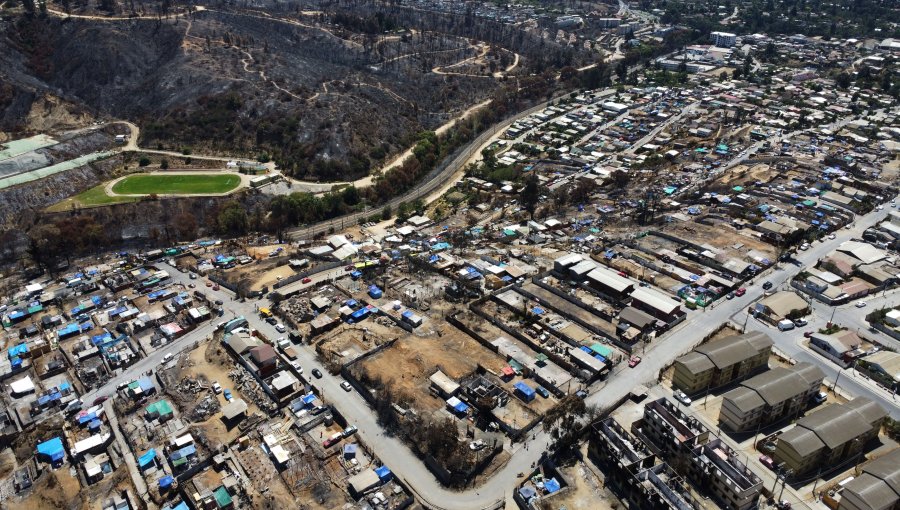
93	197
186	184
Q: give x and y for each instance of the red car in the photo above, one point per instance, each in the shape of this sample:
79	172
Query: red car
633	361
100	400
740	292
209	284
348	268
306	280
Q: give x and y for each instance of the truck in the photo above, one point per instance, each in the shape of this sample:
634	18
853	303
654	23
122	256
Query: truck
786	325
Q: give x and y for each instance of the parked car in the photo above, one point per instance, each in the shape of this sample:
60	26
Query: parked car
476	445
334	439
819	398
193	276
767	461
272	320
348	268
219	302
349	431
280	328
800	322
316	372
740	292
215	287
831	236
217	388
681	397
100	400
860	304
346	386
315	411
540	390
228	395
730	295
209	284
296	364
306	280
192	286
807	334
634	361
168	357
767	285
581	394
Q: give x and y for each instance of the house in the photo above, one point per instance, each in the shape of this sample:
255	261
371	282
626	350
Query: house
721	362
783	305
829	436
841	347
234	410
265	358
770	397
886	363
662	306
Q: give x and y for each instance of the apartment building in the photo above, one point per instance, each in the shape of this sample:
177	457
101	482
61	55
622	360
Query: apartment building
829	436
669	430
666	434
770	397
721	362
634	472
877	488
717	468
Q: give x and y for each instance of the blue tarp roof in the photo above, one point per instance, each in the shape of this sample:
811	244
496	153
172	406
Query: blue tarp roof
94	425
17	350
407	313
384	474
307	399
52	449
524	388
86	418
184	452
145	383
166	481
537	310
70	329
551	485
147	458
460	407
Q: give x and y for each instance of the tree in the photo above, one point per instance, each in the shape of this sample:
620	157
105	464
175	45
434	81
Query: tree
45	243
386	213
164	164
232	219
144	161
531	194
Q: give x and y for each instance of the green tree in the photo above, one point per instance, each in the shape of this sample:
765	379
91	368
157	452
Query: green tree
531	194
144	161
232	219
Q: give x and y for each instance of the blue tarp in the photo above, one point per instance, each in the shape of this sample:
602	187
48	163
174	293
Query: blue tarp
460	407
384	474
165	482
147	458
308	399
71	329
537	310
551	485
525	391
86	418
146	384
94	425
52	449
187	451
86	326
375	292
18	350
407	314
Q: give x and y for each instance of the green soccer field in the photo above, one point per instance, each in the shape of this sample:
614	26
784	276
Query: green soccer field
162	184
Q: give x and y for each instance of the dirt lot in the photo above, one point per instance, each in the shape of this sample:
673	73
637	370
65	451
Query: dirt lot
586	488
260	274
56	489
416	358
348	342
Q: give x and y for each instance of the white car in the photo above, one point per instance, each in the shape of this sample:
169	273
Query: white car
280	327
860	304
681	397
296	365
831	236
217	388
804	246
168	357
880	207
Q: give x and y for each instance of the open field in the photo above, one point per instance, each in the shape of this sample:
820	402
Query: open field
182	184
93	197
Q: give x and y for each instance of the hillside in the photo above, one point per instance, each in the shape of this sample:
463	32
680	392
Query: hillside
324	104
